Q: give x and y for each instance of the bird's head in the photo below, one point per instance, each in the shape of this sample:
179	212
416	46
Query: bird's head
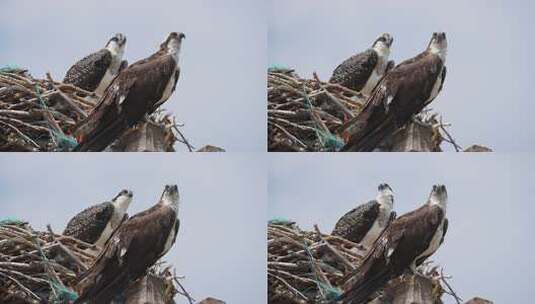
438	45
385	195
383	43
123	199
116	44
438	196
170	196
173	42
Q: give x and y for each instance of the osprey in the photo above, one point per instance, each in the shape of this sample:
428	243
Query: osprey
403	92
405	244
365	223
96	71
138	90
362	71
95	224
137	245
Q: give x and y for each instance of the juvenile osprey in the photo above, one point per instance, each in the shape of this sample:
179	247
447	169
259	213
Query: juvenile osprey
403	92
406	243
362	71
139	243
95	224
138	90
365	223
96	71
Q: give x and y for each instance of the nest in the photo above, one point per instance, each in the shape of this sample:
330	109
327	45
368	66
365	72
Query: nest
43	267
307	267
308	115
312	267
42	114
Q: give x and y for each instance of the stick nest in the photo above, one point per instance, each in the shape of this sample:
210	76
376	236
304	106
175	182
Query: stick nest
312	267
42	114
43	267
308	115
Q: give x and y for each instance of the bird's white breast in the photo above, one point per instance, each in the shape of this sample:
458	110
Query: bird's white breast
377	228
169	241
435	241
436	87
105	82
372	82
112	224
168	88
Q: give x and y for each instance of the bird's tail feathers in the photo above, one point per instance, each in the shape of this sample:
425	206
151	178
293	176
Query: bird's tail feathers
101	139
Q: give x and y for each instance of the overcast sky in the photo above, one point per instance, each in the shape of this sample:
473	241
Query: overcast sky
487	93
220	95
220	247
489	245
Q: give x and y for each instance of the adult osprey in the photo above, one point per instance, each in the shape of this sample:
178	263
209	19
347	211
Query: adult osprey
95	224
406	243
365	223
138	90
96	71
362	71
139	243
403	92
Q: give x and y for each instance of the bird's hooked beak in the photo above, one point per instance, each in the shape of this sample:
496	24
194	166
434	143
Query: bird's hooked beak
386	39
438	40
439	192
124	192
119	39
170	193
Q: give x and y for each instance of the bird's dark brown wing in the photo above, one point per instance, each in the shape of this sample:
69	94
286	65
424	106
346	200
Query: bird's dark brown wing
89	224
89	71
130	252
128	98
354	225
403	92
354	72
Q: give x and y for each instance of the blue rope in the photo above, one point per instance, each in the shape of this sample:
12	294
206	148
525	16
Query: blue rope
326	139
60	294
280	221
277	67
9	69
63	142
11	221
328	292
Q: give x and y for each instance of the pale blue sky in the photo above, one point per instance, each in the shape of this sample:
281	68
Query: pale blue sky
220	247
488	247
486	95
221	92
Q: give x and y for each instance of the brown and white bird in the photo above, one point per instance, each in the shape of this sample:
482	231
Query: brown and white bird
404	91
404	245
96	71
95	224
361	72
138	90
135	247
365	223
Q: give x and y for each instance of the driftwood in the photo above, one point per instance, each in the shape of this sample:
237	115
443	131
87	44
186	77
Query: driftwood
42	115
308	115
149	289
43	267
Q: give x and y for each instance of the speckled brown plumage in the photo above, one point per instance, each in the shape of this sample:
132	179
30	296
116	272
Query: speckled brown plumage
89	71
89	224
